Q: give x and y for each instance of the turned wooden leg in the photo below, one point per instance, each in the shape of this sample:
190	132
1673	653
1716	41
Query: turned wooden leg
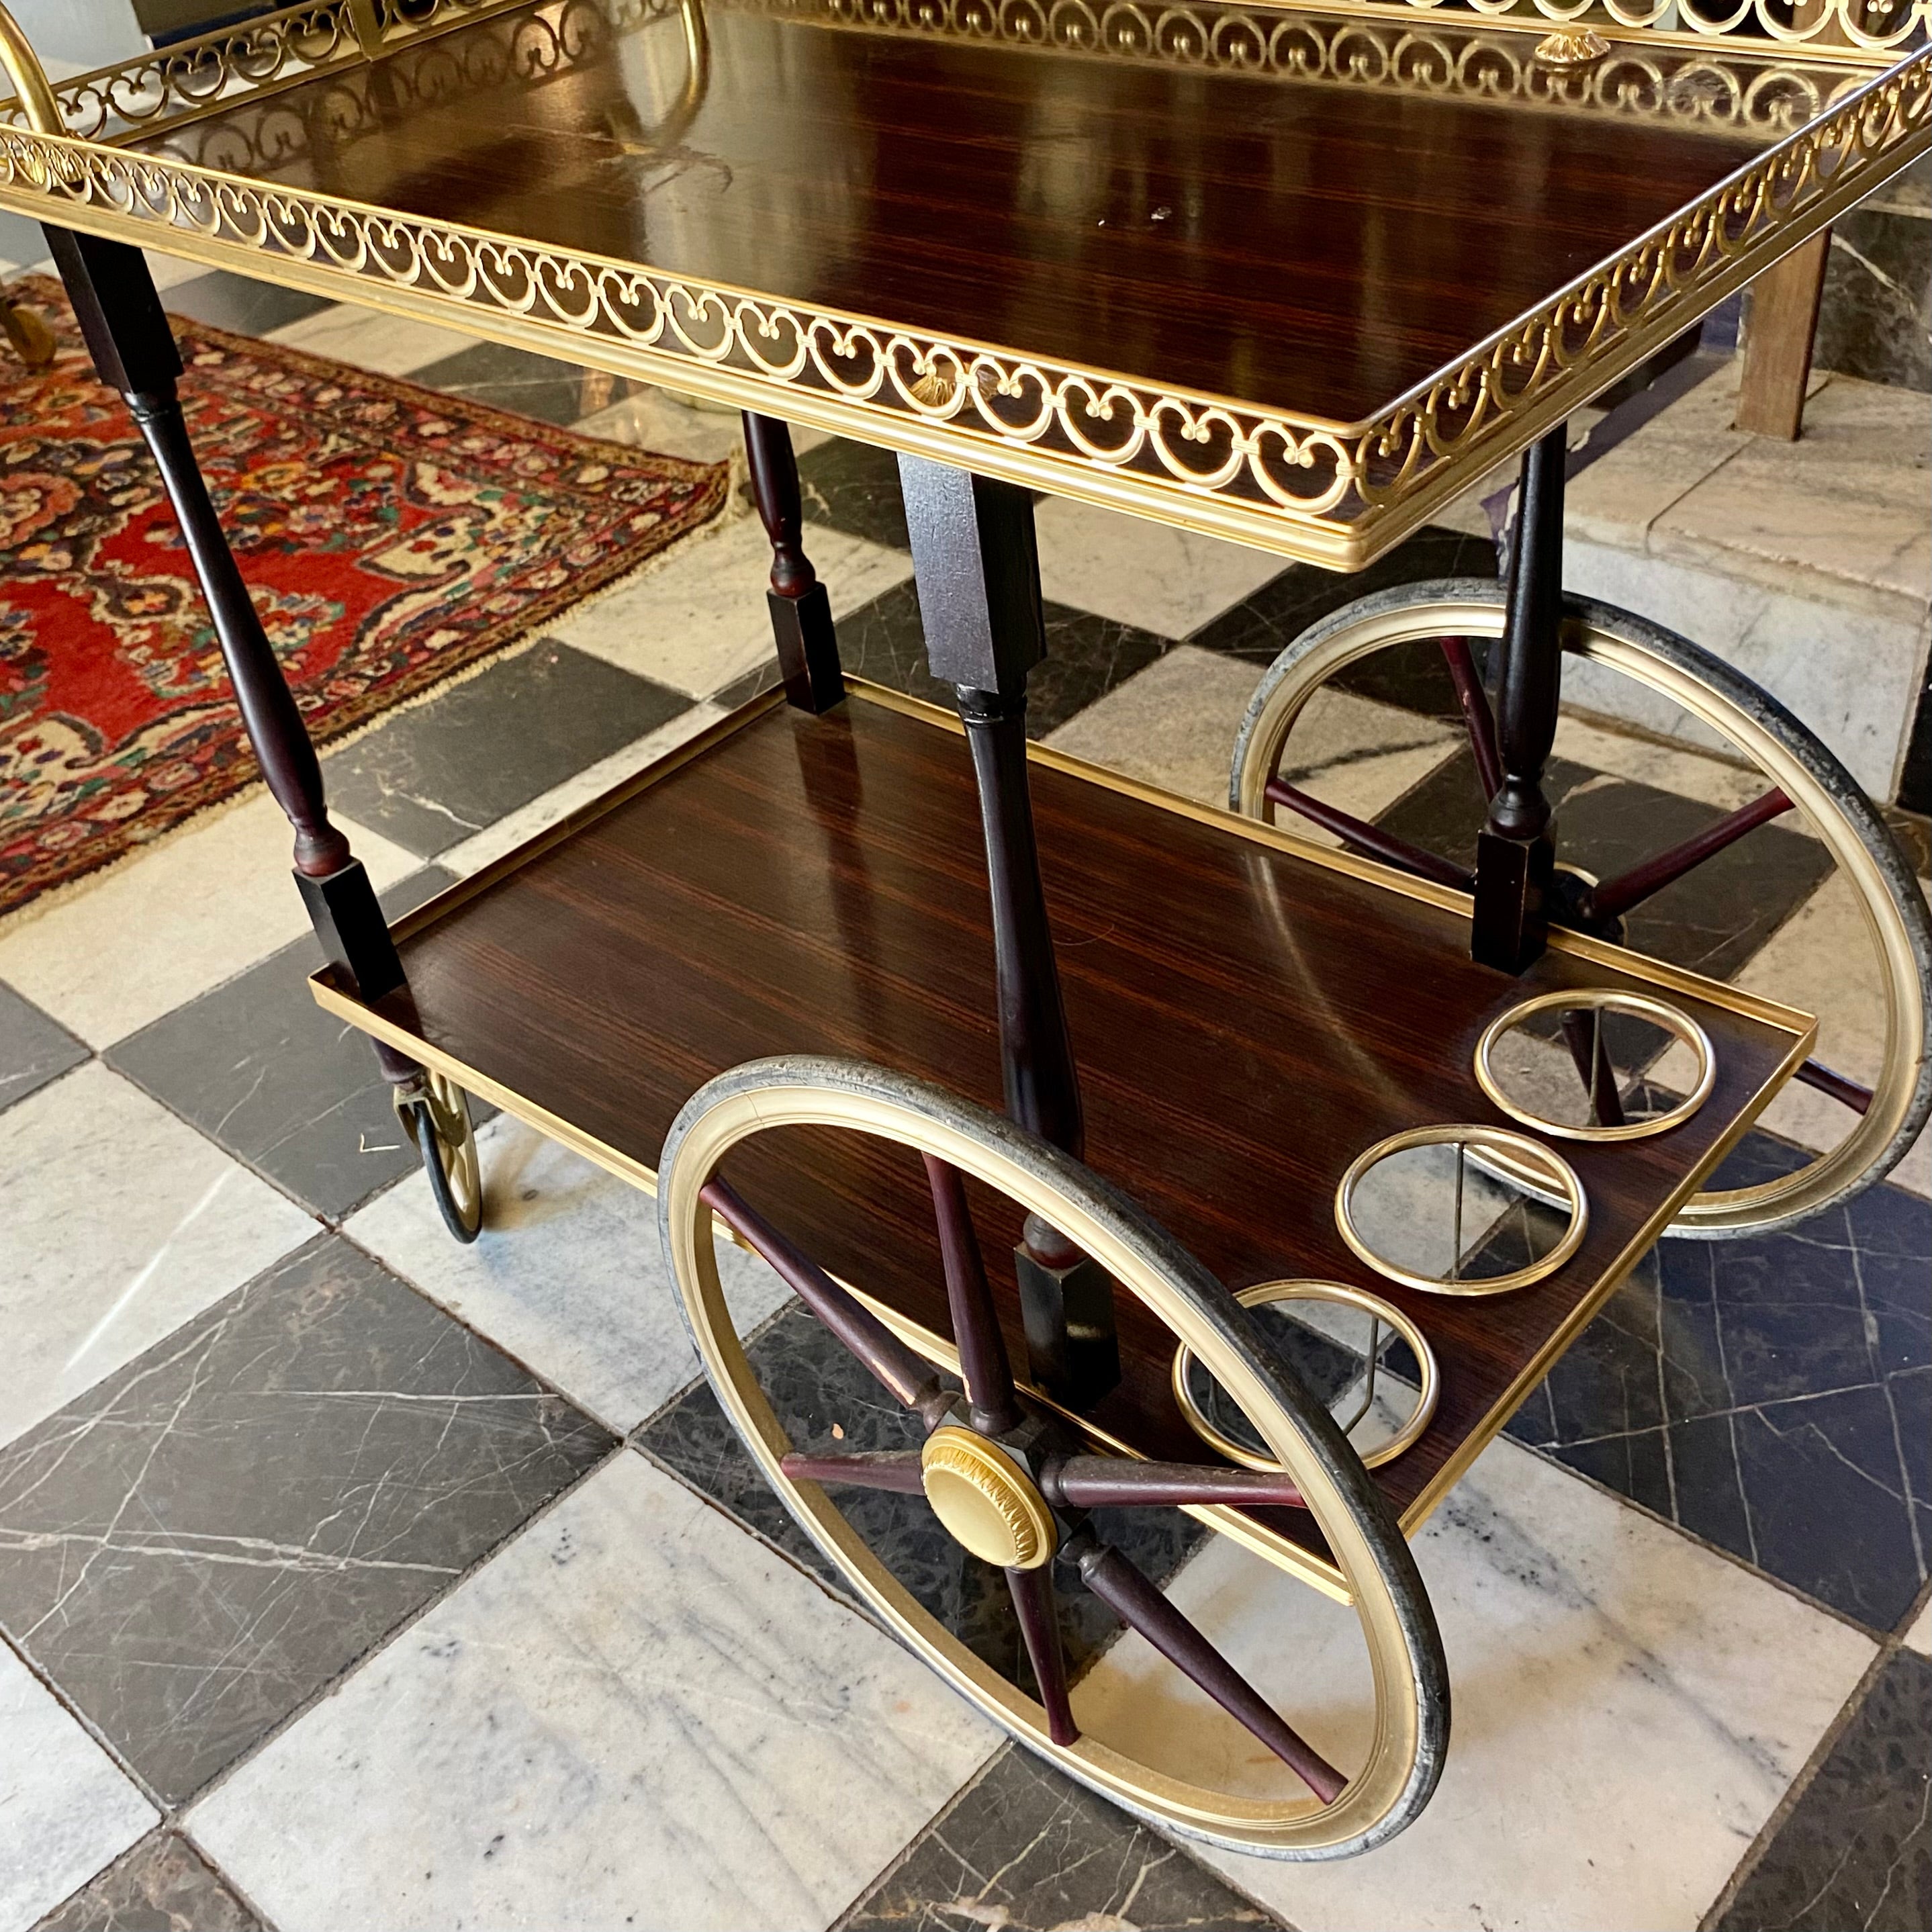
1778	333
977	563
807	646
1515	851
133	349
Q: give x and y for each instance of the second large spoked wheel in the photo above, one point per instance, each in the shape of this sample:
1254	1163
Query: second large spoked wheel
1416	654
1013	1482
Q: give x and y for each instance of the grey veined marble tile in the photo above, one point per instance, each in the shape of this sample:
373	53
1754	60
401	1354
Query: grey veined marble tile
205	1539
636	1715
66	1809
1025	1849
164	1884
1856	1851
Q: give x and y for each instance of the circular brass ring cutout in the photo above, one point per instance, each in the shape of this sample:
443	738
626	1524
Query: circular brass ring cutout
1520	1151
986	1500
1601	999
1267	1292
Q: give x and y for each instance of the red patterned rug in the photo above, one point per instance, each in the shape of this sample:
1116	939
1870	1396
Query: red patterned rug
390	536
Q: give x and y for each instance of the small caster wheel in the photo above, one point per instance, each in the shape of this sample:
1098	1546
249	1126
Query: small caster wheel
435	1114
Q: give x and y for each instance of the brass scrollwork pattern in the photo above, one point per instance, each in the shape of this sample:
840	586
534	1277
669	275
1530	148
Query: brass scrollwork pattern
1304	486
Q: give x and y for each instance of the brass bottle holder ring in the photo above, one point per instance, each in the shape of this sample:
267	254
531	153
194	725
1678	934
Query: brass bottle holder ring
1266	1293
1539	1170
1597	999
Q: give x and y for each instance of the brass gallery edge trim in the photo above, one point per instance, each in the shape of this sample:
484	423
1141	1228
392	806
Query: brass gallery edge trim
1298	485
1277	1549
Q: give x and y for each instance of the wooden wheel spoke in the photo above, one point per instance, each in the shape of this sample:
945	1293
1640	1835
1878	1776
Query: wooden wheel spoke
1583	1034
1141	1607
1040	1626
1101	1482
1369	838
904	1375
1616	897
1841	1086
1476	715
895	1469
988	1374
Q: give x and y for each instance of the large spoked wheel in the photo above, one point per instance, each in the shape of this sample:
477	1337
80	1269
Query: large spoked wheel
1012	1483
435	1114
1867	1115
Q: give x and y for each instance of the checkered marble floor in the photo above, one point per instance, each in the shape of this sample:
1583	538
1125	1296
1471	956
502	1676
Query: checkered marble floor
350	1577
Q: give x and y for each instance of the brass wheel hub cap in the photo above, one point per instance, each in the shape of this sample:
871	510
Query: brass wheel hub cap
985	1499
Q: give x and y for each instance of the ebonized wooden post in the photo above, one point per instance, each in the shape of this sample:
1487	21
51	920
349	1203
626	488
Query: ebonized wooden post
133	350
977	563
807	646
1516	850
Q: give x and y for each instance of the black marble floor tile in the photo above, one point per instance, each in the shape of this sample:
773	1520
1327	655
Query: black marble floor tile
164	1884
1262	627
430	776
34	1049
1875	314
1855	1853
816	1387
200	1543
854	488
516	379
1773	1395
1713	920
1027	1850
240	303
1087	656
258	1066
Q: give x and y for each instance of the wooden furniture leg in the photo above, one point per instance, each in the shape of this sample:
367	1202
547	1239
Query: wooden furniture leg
1778	333
807	646
133	349
976	561
1516	850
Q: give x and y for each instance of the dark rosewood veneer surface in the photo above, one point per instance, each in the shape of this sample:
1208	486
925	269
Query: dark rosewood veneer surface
1306	244
1246	1021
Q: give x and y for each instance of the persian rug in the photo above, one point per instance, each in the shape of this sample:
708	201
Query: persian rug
389	536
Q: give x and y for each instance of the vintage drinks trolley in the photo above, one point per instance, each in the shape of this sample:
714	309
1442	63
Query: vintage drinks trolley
1292	275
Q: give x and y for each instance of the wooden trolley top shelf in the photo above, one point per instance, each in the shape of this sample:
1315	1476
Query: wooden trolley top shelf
1248	1014
1288	275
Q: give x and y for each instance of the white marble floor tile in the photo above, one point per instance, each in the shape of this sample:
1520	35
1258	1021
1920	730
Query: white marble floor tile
367	338
66	1809
1172	725
1821	961
202	906
636	1715
567	1276
507	834
1919	1636
1847	500
1359	755
1666	767
1846	661
1167	581
657	419
699	621
1628	1709
118	1222
169	271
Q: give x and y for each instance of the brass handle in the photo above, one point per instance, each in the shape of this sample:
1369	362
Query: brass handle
29	78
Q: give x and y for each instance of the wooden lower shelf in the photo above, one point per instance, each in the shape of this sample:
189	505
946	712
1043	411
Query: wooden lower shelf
1248	1013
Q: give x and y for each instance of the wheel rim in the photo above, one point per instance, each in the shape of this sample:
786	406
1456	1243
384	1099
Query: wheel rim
439	1123
1404	1653
1895	927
